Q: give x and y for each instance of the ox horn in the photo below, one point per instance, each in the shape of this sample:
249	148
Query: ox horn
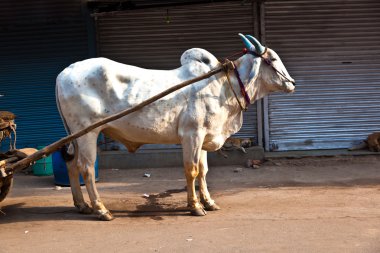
260	49
247	43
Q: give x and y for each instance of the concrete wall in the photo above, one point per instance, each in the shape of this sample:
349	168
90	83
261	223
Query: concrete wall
172	158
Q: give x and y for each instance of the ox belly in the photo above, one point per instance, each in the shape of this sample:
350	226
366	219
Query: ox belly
154	124
150	125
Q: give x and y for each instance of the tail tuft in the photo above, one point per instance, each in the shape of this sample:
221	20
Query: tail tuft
66	154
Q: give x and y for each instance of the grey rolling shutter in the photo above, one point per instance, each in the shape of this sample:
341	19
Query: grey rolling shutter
332	49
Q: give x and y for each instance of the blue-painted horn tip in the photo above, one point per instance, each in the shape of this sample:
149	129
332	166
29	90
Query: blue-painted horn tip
251	37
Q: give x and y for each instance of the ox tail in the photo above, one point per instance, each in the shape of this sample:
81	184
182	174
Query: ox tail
68	150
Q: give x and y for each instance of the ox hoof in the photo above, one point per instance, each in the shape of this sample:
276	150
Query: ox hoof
213	207
105	216
85	209
198	212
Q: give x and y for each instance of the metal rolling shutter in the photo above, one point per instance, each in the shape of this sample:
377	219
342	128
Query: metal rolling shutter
156	38
37	41
332	49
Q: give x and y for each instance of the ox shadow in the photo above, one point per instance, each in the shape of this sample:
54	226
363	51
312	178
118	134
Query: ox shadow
18	212
155	208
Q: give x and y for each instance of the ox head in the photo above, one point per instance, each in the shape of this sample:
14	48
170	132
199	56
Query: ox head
268	67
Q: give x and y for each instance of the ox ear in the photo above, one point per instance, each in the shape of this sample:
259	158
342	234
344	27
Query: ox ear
260	49
247	43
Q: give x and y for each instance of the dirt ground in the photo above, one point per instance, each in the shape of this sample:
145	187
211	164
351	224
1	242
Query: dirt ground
287	205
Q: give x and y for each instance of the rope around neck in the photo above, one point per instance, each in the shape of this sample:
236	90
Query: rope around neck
230	65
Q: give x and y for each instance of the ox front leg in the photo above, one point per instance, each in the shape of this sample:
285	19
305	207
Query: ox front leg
208	203
191	154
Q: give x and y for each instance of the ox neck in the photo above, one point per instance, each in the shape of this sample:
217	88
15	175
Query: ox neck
244	82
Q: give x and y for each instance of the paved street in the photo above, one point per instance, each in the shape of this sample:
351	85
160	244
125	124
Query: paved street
287	205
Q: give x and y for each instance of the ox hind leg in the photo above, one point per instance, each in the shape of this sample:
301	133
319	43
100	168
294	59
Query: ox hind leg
191	146
85	159
208	203
79	202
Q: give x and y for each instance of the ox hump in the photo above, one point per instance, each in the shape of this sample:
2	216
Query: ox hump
199	55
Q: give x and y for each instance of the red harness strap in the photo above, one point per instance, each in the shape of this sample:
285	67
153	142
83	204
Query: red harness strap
241	85
242	88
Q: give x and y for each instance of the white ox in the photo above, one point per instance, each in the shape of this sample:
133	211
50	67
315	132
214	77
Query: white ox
200	116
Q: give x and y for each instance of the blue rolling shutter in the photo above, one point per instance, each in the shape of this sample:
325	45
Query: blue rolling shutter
37	41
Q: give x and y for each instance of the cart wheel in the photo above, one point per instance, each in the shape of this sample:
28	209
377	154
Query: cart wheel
5	186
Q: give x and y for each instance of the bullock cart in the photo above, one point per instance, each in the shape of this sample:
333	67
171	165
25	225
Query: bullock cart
7	127
17	160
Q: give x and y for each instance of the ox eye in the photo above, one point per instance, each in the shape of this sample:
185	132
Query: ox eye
273	59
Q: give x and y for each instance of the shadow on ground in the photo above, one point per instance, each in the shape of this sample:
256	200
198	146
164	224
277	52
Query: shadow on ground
128	193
